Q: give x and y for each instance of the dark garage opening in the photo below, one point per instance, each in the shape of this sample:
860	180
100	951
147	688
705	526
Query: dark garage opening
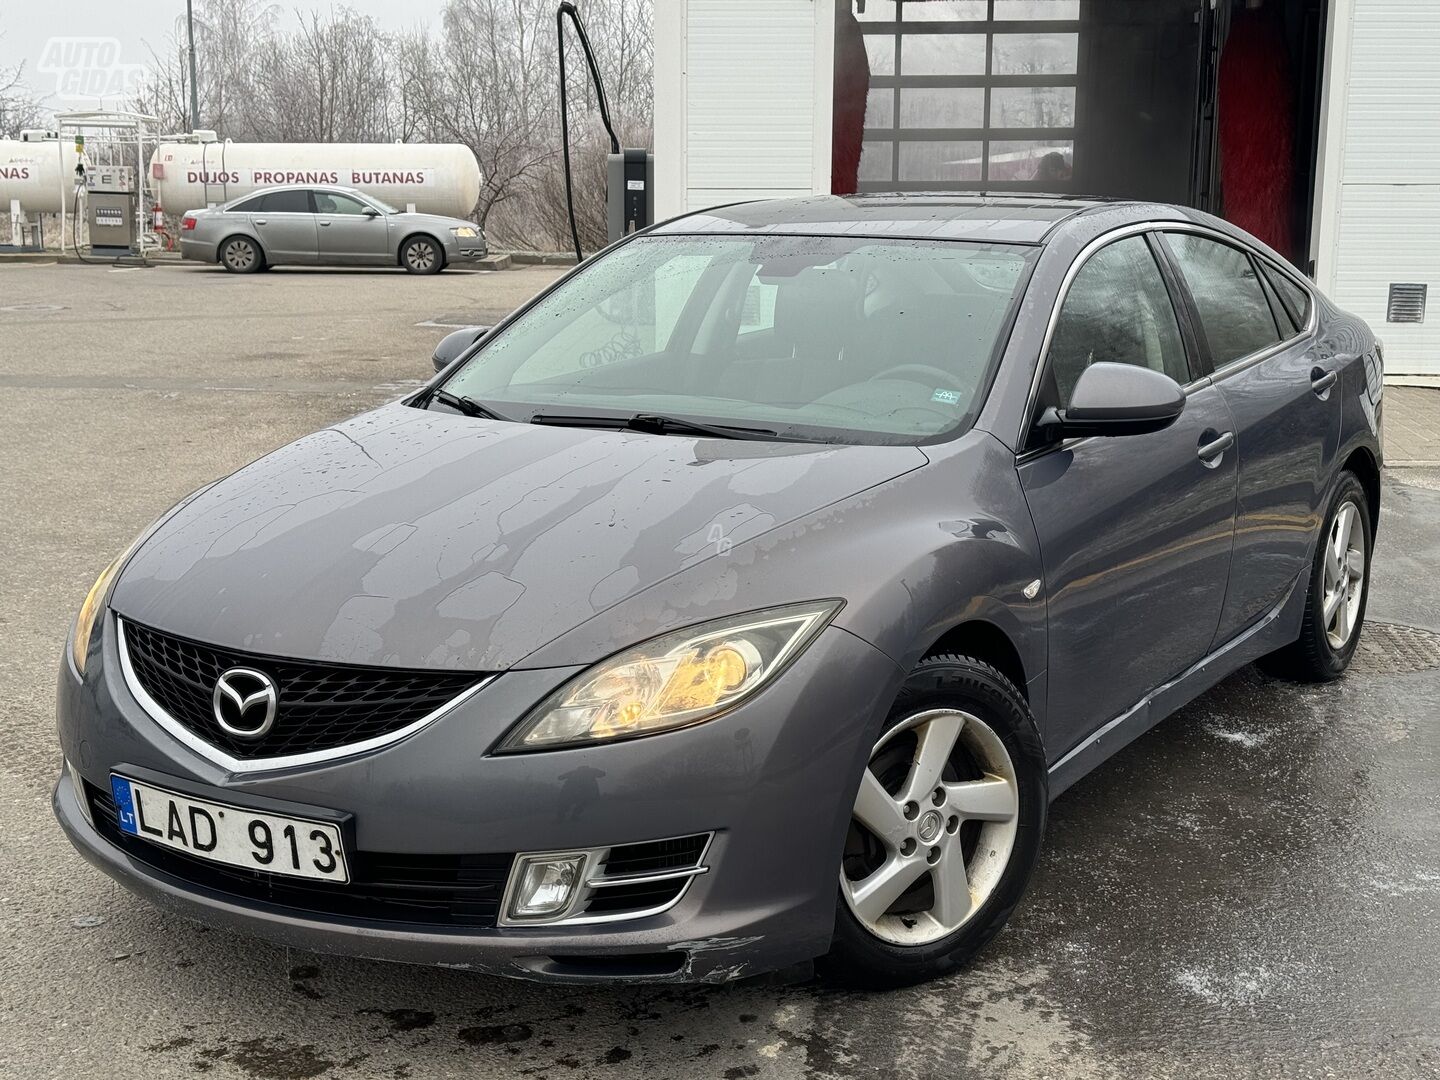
1162	99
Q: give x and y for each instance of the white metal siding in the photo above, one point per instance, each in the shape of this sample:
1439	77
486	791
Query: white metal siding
1388	226
750	115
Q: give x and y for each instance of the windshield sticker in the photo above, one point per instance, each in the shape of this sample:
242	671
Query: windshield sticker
946	397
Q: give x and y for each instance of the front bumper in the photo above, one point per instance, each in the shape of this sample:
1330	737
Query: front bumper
773	780
465	249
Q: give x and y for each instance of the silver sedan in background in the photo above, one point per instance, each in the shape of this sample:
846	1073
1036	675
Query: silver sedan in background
325	226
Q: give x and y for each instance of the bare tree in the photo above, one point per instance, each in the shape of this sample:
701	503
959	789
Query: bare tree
19	109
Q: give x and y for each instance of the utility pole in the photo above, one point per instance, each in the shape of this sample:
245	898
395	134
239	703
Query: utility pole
194	90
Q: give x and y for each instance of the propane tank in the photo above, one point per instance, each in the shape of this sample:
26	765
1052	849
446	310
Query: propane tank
37	174
435	178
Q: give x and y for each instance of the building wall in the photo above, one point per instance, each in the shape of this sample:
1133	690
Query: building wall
1379	204
742	100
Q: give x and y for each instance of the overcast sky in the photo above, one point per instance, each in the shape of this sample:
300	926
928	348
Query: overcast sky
26	26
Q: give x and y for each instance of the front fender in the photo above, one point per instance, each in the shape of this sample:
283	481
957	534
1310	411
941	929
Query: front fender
948	543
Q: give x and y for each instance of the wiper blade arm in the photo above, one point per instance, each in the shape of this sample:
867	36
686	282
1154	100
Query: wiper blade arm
468	406
675	425
656	424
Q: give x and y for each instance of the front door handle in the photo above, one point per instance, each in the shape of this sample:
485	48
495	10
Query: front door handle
1321	380
324	224
1209	452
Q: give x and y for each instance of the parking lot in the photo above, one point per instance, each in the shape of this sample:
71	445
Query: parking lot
1253	889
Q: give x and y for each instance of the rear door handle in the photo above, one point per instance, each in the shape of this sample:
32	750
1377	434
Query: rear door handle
1322	380
261	221
1211	450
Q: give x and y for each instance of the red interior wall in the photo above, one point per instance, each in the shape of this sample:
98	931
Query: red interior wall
1257	123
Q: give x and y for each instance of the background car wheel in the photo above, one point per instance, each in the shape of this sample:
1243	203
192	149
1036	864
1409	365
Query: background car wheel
945	830
1338	590
241	255
422	255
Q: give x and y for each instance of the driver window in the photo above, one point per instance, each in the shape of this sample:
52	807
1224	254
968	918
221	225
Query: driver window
1118	311
332	202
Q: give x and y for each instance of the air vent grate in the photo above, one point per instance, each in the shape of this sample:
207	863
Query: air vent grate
1407	303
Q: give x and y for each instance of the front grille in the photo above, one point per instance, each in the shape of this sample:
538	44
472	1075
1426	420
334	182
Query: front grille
320	706
459	891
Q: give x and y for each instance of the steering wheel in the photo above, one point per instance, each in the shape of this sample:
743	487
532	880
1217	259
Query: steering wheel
921	369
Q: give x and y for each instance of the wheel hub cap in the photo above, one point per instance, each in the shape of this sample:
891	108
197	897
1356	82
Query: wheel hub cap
930	826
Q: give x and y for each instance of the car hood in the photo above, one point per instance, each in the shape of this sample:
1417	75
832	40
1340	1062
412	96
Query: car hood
411	538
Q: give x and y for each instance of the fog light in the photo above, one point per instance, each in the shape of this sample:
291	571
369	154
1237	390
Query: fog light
545	885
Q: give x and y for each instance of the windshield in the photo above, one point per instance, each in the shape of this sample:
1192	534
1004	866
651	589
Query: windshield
382	206
828	338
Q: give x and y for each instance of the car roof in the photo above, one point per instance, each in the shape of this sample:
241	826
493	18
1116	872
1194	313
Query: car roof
996	218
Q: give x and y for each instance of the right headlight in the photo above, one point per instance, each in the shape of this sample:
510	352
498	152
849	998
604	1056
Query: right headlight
674	681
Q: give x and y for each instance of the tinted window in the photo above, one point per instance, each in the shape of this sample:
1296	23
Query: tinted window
1233	310
1117	311
854	339
1294	299
332	202
249	206
287	202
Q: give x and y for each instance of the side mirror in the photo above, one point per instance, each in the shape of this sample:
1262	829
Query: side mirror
370	212
1117	399
453	344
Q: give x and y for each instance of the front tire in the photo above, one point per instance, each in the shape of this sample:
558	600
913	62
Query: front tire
422	255
946	827
241	255
1337	592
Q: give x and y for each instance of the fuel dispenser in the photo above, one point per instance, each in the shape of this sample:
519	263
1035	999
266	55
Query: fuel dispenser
110	209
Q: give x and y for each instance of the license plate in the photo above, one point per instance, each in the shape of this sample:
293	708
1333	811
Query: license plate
233	835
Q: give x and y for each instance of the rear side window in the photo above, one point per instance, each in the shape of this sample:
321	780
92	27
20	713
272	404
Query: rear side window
1117	311
287	202
1233	310
249	206
1294	299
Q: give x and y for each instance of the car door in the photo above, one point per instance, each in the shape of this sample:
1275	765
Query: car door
1134	531
347	234
1286	406
285	225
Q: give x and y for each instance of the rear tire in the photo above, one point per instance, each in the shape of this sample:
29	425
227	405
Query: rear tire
993	828
422	255
241	255
1336	592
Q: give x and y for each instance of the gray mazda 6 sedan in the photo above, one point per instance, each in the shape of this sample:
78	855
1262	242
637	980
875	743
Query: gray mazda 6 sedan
325	226
742	600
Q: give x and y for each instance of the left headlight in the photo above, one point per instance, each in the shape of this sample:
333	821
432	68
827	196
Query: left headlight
99	594
90	610
465	232
674	681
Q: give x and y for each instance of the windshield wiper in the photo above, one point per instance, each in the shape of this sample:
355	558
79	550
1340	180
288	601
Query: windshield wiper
658	424
468	406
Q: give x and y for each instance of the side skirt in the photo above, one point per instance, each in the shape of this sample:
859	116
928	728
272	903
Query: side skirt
1277	628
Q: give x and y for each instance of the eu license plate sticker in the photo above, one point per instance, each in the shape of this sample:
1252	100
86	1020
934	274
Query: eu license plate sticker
233	835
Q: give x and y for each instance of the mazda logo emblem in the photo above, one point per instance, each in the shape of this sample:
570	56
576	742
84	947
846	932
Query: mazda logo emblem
244	702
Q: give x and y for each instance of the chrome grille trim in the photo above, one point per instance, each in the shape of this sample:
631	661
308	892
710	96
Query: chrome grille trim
269	764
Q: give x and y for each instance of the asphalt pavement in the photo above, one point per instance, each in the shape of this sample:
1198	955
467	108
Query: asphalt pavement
1253	889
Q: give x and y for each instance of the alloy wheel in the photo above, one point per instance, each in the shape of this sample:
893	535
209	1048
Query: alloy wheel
420	256
1344	575
933	827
